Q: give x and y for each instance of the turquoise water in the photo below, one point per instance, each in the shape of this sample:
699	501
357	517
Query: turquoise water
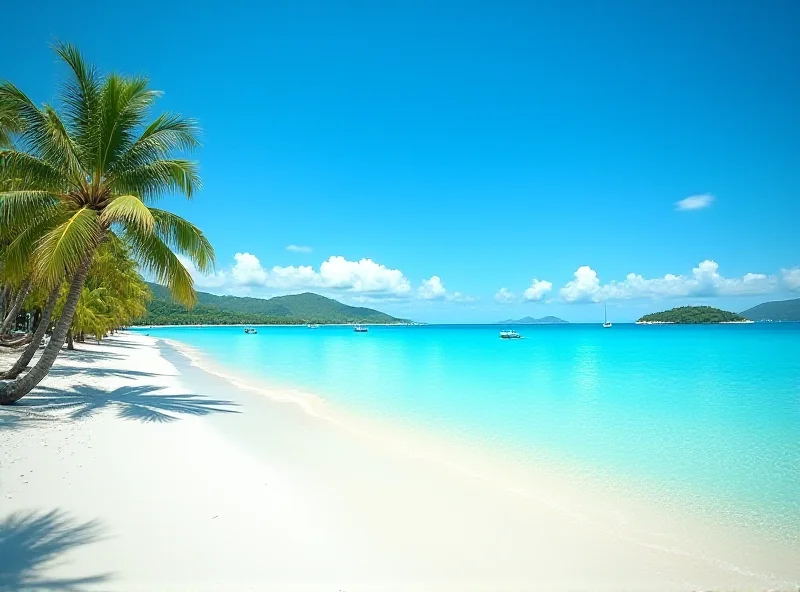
711	411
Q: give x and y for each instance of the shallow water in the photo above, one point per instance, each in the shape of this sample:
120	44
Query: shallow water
710	414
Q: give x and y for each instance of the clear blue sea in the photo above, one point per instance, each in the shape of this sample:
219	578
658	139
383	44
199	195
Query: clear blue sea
707	411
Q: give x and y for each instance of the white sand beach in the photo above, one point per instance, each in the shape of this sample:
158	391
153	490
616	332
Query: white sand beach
117	475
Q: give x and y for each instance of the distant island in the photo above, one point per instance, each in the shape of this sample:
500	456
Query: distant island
692	315
533	321
296	309
776	311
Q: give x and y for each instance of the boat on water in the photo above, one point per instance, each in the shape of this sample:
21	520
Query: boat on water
250	330
360	329
606	324
509	334
313	326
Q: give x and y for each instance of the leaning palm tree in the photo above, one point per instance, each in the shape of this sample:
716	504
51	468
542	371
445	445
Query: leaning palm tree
90	172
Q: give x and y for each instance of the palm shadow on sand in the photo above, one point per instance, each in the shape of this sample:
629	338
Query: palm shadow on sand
142	403
31	543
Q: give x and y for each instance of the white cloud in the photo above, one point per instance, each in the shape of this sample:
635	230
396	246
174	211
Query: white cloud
504	296
791	278
291	277
695	202
213	280
537	290
363	276
247	270
584	287
336	274
298	249
432	289
704	281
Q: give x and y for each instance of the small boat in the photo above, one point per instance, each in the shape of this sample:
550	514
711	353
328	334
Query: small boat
313	326
360	329
250	330
509	334
606	324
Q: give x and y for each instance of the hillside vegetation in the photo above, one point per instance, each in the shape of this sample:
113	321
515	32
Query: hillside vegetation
778	310
232	310
693	315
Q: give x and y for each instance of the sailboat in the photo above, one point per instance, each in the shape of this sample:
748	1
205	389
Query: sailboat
606	324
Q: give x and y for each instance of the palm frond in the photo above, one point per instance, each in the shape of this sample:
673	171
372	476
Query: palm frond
128	210
153	180
186	238
157	259
42	132
21	248
20	209
10	123
61	250
124	106
167	134
24	170
81	100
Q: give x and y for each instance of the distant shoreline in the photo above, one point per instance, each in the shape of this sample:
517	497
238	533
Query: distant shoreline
747	322
200	326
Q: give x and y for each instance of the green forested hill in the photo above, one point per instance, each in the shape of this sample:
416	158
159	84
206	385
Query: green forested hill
777	310
231	310
692	315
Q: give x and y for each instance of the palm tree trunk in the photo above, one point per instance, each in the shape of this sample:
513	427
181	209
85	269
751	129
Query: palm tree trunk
24	289
11	392
41	329
70	341
6	298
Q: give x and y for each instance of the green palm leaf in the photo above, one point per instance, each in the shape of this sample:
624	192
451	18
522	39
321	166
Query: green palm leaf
167	134
42	132
124	106
152	180
158	260
24	170
186	238
81	100
128	210
21	248
21	209
62	249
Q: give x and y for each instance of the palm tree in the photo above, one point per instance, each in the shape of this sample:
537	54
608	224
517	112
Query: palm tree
88	174
114	294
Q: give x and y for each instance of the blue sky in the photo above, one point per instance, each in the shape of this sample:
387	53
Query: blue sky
481	143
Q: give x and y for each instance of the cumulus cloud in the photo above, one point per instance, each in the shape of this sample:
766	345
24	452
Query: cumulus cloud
432	289
537	290
704	281
791	278
298	249
365	277
695	202
504	296
291	277
247	270
585	286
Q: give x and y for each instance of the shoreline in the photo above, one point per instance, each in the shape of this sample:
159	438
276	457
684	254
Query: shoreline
224	488
205	326
561	485
489	458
